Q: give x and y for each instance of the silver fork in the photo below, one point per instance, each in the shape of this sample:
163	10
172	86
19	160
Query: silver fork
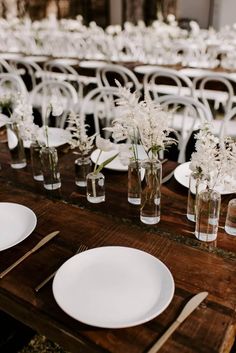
80	249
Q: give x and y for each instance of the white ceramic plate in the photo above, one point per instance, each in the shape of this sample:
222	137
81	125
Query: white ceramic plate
116	163
92	64
113	287
56	137
17	222
182	173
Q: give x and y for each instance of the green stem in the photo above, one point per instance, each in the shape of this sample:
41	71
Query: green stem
96	164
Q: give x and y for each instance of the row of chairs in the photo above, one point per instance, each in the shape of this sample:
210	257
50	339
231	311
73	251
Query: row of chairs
100	103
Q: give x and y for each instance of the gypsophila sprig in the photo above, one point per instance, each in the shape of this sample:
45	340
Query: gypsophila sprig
79	138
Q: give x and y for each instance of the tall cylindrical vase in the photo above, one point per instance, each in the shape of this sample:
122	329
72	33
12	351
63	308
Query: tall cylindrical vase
196	184
150	211
83	166
16	146
50	168
207	215
134	182
36	164
95	187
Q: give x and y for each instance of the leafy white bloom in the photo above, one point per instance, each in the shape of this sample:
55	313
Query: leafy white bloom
204	160
56	105
79	138
23	116
141	122
125	153
214	161
104	144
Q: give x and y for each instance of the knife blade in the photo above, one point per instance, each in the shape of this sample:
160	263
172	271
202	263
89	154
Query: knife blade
41	243
192	304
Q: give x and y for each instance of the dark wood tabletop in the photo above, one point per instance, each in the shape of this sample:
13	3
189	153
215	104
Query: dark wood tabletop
195	266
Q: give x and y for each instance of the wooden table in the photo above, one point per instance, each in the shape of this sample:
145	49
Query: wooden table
195	266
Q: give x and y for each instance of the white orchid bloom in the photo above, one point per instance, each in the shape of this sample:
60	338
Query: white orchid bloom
104	144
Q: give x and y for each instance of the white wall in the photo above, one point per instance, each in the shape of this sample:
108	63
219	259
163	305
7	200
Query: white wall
195	9
224	13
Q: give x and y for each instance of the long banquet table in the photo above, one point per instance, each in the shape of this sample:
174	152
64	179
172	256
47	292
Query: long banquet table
195	266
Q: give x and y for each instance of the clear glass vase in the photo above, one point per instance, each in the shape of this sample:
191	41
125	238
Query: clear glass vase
196	184
16	147
95	187
35	154
207	215
150	210
50	168
83	166
134	182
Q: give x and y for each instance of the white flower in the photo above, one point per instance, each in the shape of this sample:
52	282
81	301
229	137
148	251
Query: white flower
214	161
56	106
104	144
79	138
141	122
125	153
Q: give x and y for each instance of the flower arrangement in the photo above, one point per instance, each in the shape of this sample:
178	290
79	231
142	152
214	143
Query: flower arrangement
214	161
141	121
79	138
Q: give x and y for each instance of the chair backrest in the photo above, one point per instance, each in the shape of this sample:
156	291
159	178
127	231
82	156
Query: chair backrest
187	116
12	84
99	105
166	81
107	74
42	95
28	70
228	127
54	68
215	88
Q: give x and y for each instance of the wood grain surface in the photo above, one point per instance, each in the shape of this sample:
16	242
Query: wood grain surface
195	266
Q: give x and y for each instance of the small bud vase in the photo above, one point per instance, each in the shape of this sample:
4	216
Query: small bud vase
83	166
35	154
51	174
207	215
196	184
134	182
95	187
16	147
150	210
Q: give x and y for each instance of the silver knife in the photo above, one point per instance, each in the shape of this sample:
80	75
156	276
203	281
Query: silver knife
35	248
192	304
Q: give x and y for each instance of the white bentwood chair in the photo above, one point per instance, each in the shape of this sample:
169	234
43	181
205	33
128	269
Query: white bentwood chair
174	83
12	84
228	125
187	116
108	73
100	104
64	92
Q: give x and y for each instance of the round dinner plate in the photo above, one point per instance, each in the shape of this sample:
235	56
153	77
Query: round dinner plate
182	174
113	287
56	137
17	222
116	163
